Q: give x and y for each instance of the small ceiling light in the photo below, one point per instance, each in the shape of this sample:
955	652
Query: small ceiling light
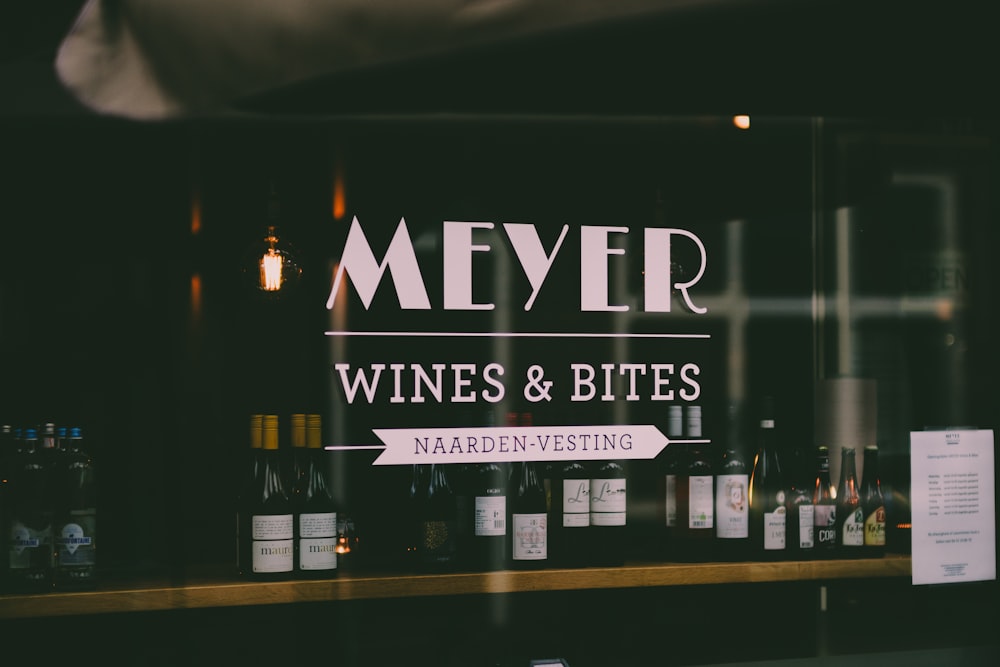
272	266
742	122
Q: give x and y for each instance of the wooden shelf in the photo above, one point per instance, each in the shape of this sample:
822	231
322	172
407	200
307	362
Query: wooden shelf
209	591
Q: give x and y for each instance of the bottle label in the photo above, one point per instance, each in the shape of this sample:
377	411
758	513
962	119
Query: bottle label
318	541
825	520
671	500
875	528
271	527
732	511
807	524
75	540
576	503
273	555
701	501
854	529
774	529
322	524
491	515
27	544
607	502
437	540
529	537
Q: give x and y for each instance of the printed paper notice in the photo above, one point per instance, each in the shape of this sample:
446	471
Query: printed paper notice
952	503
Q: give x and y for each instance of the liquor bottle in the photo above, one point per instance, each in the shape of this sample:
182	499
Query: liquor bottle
75	516
767	492
269	527
695	495
528	518
437	548
30	520
673	459
569	528
850	515
490	534
800	515
247	486
873	503
824	507
609	512
732	505
315	514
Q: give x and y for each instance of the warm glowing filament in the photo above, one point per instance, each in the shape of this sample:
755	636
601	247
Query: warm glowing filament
270	271
742	122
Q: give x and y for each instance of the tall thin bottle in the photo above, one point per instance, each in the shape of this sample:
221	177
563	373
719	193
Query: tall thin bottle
247	487
75	516
438	522
315	514
695	495
767	492
609	512
569	525
824	506
732	505
672	461
528	518
490	535
873	503
30	520
270	524
800	519
850	514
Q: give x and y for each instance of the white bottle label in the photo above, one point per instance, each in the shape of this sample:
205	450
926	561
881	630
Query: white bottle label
530	535
774	529
671	500
701	502
318	541
576	503
806	526
491	515
607	502
825	518
273	547
731	507
854	529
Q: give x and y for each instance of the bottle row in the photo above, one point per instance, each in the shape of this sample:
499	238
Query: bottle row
48	509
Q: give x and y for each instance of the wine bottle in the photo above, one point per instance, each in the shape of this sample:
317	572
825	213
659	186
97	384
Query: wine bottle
767	492
298	460
873	503
490	533
824	507
8	450
315	514
528	518
801	518
609	512
247	486
695	495
270	525
75	516
30	520
732	506
673	459
437	549
413	515
569	528
850	515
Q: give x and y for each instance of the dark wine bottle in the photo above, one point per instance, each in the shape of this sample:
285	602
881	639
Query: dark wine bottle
8	451
695	495
850	514
824	507
75	516
732	506
528	518
490	535
873	503
414	515
247	487
800	512
269	528
438	546
315	514
672	460
569	527
298	460
30	520
609	512
767	492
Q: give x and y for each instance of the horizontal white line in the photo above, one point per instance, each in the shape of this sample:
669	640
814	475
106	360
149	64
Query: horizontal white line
346	447
509	334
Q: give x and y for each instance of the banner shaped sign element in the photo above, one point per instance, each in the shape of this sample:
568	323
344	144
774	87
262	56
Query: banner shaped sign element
405	446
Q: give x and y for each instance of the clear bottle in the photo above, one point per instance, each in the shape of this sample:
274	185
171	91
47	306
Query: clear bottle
247	486
269	528
75	516
569	526
824	507
609	512
767	492
850	515
873	503
30	520
528	518
315	513
695	494
732	505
